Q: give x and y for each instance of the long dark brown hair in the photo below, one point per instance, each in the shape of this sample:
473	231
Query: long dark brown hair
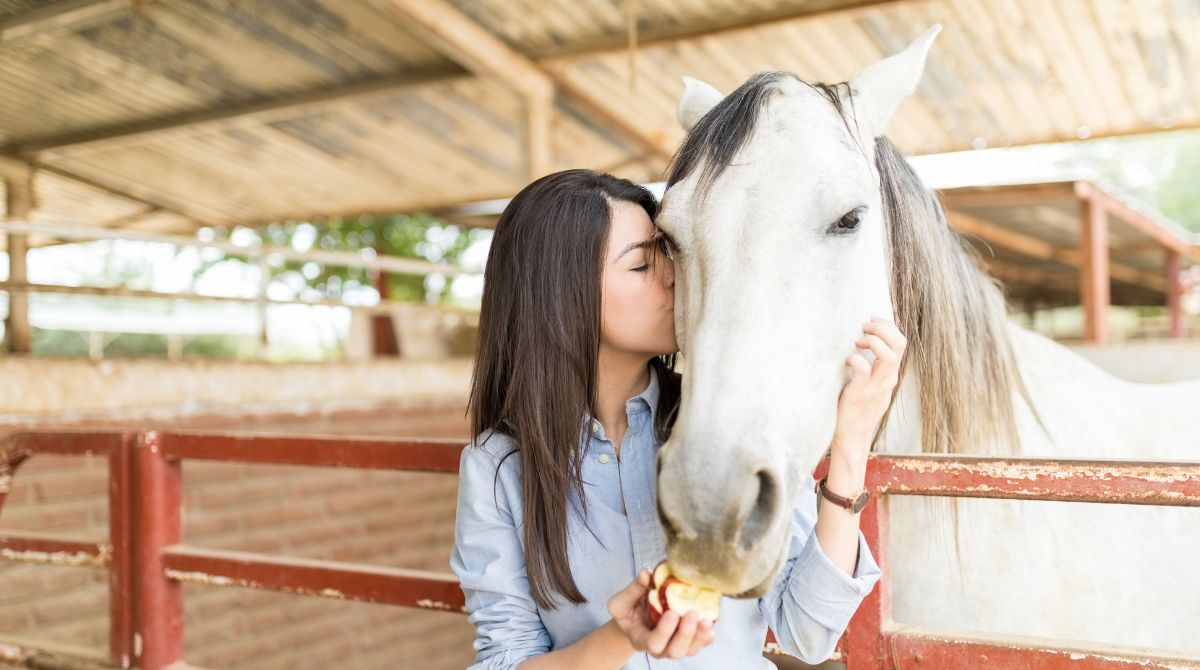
539	343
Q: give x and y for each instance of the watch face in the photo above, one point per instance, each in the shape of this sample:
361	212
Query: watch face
860	501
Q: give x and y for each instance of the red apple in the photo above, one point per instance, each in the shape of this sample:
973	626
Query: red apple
669	593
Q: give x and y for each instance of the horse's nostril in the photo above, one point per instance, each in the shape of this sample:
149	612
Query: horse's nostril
759	519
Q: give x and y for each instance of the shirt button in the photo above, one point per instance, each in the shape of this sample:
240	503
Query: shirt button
595	426
603	458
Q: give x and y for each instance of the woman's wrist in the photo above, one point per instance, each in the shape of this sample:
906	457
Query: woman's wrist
615	642
606	647
849	453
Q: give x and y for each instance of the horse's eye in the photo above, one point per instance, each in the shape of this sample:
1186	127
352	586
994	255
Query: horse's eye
849	221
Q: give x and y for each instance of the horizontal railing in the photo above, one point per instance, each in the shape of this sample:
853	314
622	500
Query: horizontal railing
148	577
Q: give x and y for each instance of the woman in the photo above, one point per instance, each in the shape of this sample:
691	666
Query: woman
573	392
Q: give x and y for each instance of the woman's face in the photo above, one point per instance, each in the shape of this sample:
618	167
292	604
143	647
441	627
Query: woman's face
638	305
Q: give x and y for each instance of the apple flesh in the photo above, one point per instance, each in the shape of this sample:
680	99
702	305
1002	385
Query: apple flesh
671	594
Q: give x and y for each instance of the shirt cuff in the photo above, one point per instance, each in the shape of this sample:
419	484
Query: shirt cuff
824	590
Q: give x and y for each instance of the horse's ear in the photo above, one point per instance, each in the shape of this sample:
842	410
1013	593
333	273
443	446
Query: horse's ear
698	97
880	88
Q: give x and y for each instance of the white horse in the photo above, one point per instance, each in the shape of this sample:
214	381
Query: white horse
794	221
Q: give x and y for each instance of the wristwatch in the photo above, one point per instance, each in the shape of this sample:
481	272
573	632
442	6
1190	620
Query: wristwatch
853	505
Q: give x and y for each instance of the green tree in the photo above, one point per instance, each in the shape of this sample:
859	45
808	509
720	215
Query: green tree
419	236
1162	170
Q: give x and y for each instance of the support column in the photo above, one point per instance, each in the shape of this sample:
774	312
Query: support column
1176	328
264	282
18	336
385	341
1093	270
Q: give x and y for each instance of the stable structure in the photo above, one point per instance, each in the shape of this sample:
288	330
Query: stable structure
1074	243
164	116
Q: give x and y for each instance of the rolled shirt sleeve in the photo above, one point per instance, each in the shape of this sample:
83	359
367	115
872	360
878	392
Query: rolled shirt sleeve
812	600
490	562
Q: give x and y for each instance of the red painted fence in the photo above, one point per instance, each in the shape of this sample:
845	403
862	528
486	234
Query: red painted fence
145	492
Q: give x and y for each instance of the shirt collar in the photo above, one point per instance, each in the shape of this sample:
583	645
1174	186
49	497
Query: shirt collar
647	400
650	395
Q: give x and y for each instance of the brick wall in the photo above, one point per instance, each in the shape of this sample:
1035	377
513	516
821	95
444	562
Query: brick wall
384	518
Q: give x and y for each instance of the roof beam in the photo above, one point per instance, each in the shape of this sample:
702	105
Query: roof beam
1008	195
141	194
1044	251
530	77
11	168
1155	230
259	112
666	36
454	34
62	15
468	43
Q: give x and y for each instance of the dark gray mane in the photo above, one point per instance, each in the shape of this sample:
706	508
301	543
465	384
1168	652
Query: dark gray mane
724	130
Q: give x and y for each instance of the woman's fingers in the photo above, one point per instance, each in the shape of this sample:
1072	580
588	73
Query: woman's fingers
635	591
883	353
862	369
684	635
656	642
644	577
704	637
628	600
888	331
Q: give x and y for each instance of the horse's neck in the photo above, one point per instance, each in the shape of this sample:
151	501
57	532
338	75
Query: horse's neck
1087	411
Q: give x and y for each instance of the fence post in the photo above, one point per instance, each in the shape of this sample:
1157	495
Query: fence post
122	646
159	599
864	637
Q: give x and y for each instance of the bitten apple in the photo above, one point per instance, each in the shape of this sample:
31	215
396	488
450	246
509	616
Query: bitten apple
670	594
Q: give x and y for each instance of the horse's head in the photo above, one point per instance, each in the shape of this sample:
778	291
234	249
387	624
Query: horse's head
774	207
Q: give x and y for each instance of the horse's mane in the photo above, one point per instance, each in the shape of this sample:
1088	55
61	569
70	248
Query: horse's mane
952	313
954	316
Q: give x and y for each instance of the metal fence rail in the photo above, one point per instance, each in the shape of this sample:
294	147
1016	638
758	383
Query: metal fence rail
147	576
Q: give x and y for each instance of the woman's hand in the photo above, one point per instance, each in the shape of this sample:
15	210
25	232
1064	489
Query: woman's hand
865	398
673	637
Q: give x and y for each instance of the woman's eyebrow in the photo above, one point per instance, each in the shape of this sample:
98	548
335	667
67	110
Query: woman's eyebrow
636	245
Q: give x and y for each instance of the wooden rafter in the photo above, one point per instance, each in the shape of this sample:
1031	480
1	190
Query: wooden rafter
1008	195
11	168
529	77
1136	220
1041	250
62	15
258	112
464	41
672	34
201	214
460	38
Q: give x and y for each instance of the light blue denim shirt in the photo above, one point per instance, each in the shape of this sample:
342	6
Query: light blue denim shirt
808	606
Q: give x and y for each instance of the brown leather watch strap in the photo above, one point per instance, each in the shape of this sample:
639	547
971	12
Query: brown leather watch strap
845	503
